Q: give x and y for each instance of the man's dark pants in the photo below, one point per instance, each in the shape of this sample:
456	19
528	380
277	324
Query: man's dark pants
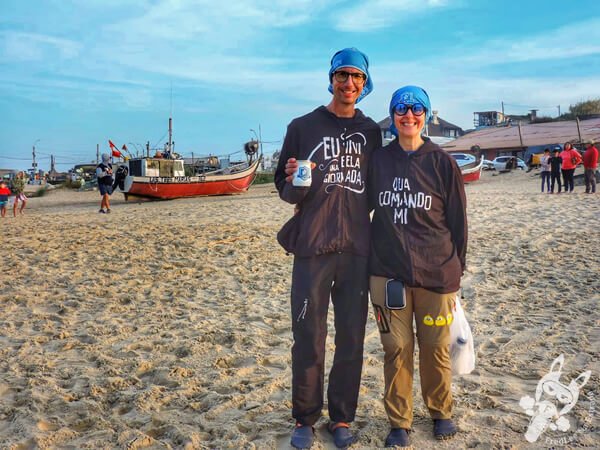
343	276
555	177
590	180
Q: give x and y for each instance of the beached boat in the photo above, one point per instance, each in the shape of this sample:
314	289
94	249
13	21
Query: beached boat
472	172
165	179
164	175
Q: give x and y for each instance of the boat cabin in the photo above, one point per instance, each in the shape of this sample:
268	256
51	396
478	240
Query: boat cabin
156	167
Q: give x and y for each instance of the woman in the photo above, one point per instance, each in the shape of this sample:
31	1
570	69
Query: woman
570	160
419	239
18	188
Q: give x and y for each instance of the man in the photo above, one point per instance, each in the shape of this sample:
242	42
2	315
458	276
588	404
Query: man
331	249
105	182
590	165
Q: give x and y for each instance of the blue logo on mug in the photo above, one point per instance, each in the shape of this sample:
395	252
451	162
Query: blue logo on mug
304	173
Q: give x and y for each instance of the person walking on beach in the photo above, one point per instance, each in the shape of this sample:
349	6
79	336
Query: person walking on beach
555	165
332	246
590	165
545	172
418	255
104	174
18	188
4	194
570	160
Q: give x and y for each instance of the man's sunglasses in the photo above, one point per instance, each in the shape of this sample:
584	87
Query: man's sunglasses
417	109
341	76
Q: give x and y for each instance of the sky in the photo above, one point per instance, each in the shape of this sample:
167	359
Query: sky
76	73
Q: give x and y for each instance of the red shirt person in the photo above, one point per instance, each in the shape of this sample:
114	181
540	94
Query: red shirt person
570	160
4	194
590	165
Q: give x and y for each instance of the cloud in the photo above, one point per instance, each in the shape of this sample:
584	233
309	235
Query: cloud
19	46
557	44
210	23
217	49
372	15
458	90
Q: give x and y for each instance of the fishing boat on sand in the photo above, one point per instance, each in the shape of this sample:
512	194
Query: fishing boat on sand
164	175
472	172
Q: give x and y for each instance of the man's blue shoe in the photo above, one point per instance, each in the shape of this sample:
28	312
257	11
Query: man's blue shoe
303	436
443	428
397	437
342	437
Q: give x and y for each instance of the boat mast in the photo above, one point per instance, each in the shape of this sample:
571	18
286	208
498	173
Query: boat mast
171	124
170	134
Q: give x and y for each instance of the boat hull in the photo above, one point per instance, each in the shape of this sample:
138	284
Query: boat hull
195	186
471	173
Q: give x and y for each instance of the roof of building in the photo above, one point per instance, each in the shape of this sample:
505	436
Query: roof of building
436	129
504	137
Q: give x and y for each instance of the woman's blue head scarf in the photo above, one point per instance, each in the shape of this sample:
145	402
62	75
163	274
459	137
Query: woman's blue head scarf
409	95
352	57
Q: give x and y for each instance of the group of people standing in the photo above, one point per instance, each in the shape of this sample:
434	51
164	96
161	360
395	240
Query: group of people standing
18	190
564	163
411	256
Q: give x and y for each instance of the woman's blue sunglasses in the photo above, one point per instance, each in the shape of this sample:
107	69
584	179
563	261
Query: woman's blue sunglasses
417	109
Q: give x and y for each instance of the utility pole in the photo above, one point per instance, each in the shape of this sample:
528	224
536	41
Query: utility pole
503	111
520	136
33	163
148	149
97	153
558	110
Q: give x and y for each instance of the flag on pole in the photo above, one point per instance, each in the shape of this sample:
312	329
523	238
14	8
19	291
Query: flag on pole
113	148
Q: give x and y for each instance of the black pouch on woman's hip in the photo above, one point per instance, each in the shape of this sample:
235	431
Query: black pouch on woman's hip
395	297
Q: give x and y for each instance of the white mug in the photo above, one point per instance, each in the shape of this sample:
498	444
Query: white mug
303	175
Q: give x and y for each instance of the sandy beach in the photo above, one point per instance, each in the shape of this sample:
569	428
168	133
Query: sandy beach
166	324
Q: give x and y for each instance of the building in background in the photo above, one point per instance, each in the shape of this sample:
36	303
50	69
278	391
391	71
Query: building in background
521	140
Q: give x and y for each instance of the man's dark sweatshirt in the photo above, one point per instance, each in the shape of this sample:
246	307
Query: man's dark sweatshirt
334	215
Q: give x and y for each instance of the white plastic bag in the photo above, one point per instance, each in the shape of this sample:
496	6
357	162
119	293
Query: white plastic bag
462	350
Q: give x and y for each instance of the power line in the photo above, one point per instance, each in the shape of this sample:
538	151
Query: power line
529	107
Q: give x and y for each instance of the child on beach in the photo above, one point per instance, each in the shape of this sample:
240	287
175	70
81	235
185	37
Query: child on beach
546	170
555	164
4	193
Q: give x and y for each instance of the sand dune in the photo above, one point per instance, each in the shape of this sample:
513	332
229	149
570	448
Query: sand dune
166	324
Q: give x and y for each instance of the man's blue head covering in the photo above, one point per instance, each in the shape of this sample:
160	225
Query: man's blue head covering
409	95
352	57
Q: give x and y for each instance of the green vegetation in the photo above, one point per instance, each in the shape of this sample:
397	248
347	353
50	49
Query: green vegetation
264	178
582	110
586	108
39	193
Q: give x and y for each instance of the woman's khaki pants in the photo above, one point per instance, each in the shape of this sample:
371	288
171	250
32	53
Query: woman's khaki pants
432	313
